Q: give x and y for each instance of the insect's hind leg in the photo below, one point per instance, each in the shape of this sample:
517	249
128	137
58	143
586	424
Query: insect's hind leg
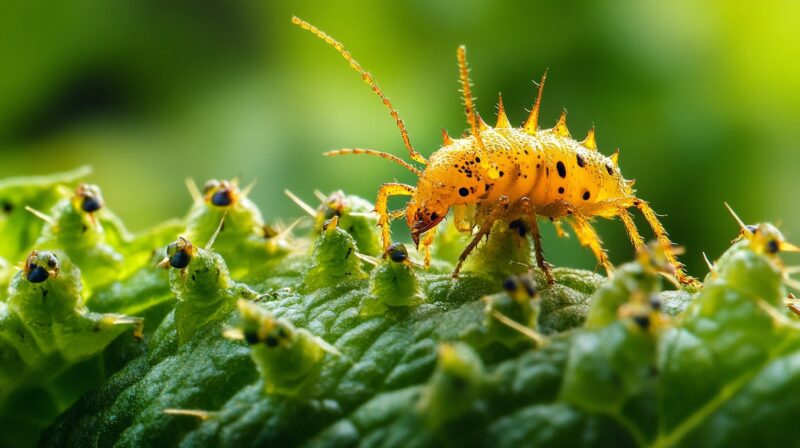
381	207
588	237
663	239
486	227
537	240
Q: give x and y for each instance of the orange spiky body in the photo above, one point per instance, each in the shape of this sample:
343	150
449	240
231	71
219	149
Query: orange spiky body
507	173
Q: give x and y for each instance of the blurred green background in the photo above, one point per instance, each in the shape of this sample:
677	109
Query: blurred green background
703	98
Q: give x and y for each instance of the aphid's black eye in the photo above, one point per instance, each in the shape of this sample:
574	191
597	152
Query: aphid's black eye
91	204
530	288
251	337
642	321
655	302
510	284
397	252
519	226
330	212
180	259
752	229
773	247
271	341
222	197
52	262
37	274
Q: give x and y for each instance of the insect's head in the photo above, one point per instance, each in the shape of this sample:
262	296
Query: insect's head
221	193
423	216
87	198
766	238
179	254
521	287
397	252
260	327
644	312
39	266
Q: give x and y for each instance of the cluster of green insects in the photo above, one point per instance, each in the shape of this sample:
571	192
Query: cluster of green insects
505	173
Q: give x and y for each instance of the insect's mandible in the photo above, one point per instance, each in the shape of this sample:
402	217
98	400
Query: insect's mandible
508	173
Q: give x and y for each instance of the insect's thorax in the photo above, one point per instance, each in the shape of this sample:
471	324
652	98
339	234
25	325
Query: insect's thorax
544	167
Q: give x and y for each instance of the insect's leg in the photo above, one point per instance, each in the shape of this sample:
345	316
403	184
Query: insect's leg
381	207
537	240
630	227
588	237
560	232
460	218
663	239
426	243
486	227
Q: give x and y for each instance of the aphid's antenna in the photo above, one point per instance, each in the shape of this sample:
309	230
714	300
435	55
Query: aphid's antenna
792	283
463	71
306	208
288	230
532	123
246	190
321	196
370	152
514	325
213	238
367	77
199	413
41	215
197	197
368	259
738	220
708	263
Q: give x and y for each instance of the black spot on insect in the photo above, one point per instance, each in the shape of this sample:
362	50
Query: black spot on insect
560	190
773	247
91	204
519	226
463	192
487	187
586	195
7	207
84	228
610	169
194	278
562	170
581	162
37	274
547	172
222	198
180	259
477	160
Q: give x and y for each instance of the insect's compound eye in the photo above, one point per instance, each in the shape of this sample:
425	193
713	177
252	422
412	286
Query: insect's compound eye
397	252
642	320
527	283
179	253
272	340
210	186
752	229
773	246
39	266
510	284
222	197
37	274
330	212
52	261
88	198
251	336
655	302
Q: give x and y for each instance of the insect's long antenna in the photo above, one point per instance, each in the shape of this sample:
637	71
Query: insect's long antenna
738	220
532	123
213	238
371	152
41	215
197	197
300	203
367	77
463	71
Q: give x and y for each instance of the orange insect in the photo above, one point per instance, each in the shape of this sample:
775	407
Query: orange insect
507	173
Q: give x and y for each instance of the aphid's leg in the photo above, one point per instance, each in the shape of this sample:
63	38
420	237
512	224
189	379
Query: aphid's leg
630	227
381	207
484	230
663	239
588	237
530	209
460	218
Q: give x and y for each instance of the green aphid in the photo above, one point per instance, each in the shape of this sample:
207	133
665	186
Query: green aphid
356	216
392	283
335	258
512	316
45	327
88	233
287	357
455	385
245	242
507	251
202	285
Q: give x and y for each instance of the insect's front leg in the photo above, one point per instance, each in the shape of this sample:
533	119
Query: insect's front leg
381	207
530	209
663	239
588	237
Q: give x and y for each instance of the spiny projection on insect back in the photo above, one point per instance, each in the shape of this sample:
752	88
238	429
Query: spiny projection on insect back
507	173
